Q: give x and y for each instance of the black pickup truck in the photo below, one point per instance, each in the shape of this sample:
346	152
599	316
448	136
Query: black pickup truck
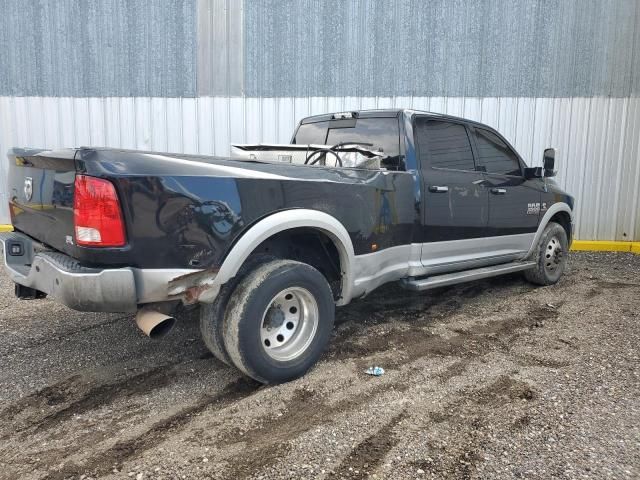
268	244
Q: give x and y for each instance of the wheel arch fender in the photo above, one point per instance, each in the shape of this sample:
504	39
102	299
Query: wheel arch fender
288	220
553	210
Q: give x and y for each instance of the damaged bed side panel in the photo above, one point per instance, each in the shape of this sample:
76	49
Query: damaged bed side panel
192	219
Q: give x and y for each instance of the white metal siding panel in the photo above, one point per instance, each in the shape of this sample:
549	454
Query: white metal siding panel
598	139
628	210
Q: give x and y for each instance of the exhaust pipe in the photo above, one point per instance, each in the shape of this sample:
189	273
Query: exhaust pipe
153	323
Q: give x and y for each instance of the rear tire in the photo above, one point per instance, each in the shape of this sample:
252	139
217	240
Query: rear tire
212	314
278	321
550	256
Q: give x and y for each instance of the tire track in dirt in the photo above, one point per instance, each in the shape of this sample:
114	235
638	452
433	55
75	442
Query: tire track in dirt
91	398
64	335
467	417
103	462
76	395
369	453
263	445
266	443
616	285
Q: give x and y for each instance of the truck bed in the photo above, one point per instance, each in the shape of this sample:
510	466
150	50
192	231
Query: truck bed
186	211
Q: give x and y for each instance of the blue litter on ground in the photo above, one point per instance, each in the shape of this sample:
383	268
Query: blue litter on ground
375	371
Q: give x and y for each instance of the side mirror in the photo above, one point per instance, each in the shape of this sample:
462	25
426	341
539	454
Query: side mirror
549	162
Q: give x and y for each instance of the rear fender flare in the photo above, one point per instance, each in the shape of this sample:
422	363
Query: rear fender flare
287	220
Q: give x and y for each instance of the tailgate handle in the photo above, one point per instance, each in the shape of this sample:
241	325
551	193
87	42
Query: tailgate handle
438	189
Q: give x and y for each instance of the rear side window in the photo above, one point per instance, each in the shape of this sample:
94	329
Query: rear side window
312	133
495	155
444	144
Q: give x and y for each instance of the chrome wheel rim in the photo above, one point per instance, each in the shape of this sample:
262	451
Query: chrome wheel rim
553	255
289	324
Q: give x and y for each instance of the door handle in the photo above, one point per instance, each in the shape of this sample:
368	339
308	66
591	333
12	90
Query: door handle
498	191
438	189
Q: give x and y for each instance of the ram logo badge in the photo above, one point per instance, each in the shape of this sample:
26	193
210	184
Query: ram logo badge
28	188
533	208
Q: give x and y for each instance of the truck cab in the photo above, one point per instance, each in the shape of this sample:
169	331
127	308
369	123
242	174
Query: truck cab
479	203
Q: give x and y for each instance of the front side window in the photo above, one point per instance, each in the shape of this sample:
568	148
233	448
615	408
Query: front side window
495	155
443	144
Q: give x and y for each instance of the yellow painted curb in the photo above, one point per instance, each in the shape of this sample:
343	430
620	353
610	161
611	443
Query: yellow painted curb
605	246
6	228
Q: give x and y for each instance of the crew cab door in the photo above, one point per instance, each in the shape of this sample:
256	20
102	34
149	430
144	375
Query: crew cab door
514	202
455	204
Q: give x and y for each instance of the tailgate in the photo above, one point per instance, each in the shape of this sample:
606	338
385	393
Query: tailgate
40	187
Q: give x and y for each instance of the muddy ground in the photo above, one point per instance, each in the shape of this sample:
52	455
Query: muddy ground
492	379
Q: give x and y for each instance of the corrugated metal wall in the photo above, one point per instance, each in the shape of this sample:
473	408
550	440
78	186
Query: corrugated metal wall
101	48
598	138
288	48
461	48
220	47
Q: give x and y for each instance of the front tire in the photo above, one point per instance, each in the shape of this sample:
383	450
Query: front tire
278	321
550	256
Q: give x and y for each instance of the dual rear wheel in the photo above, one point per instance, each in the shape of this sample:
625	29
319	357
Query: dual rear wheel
272	321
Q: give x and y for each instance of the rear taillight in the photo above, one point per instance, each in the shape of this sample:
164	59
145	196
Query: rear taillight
96	213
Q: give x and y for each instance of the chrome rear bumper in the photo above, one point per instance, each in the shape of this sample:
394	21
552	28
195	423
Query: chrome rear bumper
79	287
61	277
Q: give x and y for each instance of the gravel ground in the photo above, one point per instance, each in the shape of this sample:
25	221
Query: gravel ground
492	379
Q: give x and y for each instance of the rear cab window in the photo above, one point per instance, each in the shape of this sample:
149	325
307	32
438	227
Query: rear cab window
443	144
377	133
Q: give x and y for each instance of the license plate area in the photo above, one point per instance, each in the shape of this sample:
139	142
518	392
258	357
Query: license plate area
18	250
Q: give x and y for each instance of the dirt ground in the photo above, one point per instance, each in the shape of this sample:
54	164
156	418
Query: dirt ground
492	379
